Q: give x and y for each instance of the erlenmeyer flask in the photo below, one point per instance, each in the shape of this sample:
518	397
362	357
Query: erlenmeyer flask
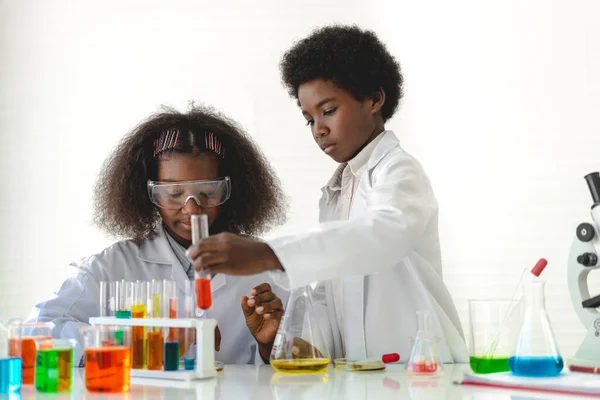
424	357
536	354
299	346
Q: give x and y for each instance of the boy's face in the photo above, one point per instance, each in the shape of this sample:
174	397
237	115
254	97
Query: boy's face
340	124
186	167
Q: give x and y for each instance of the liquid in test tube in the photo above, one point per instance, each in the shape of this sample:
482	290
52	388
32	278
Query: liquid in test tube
203	288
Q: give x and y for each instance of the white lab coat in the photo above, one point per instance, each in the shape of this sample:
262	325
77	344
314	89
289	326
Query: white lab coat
78	298
379	267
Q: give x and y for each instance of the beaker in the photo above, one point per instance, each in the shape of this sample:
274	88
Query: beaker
107	358
29	332
494	325
536	353
424	357
54	365
10	357
299	346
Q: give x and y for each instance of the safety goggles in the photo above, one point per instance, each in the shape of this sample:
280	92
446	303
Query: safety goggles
175	195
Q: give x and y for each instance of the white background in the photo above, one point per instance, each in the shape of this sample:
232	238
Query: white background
501	108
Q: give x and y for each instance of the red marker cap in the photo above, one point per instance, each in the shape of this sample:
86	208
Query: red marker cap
539	267
390	358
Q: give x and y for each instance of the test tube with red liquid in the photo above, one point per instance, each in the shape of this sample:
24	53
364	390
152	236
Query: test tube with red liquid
203	288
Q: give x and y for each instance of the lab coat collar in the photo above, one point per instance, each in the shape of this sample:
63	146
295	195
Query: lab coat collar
387	142
158	251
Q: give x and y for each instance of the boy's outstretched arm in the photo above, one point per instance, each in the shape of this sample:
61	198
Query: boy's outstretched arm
399	208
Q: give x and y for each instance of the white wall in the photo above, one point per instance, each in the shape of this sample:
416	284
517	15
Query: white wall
501	108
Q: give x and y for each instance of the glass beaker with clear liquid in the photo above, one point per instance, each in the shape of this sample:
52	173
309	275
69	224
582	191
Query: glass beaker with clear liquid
536	353
299	346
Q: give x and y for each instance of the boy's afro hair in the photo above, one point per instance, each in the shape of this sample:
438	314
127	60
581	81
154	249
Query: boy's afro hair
352	58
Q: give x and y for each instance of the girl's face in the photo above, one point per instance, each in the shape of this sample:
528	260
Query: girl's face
186	167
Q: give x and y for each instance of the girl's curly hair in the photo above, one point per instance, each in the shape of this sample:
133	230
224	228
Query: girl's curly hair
123	207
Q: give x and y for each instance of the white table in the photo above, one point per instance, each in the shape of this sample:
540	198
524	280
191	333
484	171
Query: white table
261	382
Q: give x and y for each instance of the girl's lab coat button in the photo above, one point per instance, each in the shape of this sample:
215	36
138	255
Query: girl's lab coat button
199	312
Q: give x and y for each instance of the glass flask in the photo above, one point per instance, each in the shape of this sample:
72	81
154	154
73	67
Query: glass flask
424	357
299	346
536	353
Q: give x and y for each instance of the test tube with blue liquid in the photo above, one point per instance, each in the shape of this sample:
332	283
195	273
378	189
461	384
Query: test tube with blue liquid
10	365
189	353
171	335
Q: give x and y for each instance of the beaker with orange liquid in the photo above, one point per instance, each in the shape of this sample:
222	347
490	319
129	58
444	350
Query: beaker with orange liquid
107	358
23	345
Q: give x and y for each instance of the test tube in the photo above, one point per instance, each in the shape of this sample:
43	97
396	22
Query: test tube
189	350
125	300
154	358
123	304
138	333
203	287
107	365
171	344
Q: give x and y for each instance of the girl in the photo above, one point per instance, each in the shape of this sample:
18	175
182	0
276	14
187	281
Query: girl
169	167
377	251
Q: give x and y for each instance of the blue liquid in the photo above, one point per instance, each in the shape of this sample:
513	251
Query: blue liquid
10	375
539	367
171	356
189	364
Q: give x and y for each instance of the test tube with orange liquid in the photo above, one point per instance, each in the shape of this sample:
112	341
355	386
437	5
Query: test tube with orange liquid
154	357
107	364
138	333
203	287
23	345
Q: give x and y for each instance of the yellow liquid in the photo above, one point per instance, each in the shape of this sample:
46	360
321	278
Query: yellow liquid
301	365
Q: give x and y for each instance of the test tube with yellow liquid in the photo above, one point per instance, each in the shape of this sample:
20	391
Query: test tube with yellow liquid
154	358
138	333
299	347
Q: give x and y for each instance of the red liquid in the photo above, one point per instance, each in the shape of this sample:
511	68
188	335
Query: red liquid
424	367
173	332
203	293
107	369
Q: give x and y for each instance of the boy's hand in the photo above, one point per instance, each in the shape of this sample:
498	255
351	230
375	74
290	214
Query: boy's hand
229	254
263	313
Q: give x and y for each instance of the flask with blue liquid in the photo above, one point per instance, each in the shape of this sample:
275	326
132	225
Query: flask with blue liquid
536	354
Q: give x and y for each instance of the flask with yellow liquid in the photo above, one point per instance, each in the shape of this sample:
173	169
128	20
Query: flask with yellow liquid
299	347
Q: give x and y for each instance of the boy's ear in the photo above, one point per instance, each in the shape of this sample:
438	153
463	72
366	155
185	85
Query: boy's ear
377	101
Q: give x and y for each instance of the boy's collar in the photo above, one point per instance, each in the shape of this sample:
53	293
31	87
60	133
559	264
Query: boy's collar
385	141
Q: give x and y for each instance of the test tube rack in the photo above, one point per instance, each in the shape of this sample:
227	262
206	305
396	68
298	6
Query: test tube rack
205	345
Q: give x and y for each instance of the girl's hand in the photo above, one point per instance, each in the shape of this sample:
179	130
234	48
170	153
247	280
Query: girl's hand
263	314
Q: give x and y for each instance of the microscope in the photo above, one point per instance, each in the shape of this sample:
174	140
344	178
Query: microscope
583	258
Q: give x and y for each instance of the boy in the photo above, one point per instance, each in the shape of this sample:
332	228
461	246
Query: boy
376	252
